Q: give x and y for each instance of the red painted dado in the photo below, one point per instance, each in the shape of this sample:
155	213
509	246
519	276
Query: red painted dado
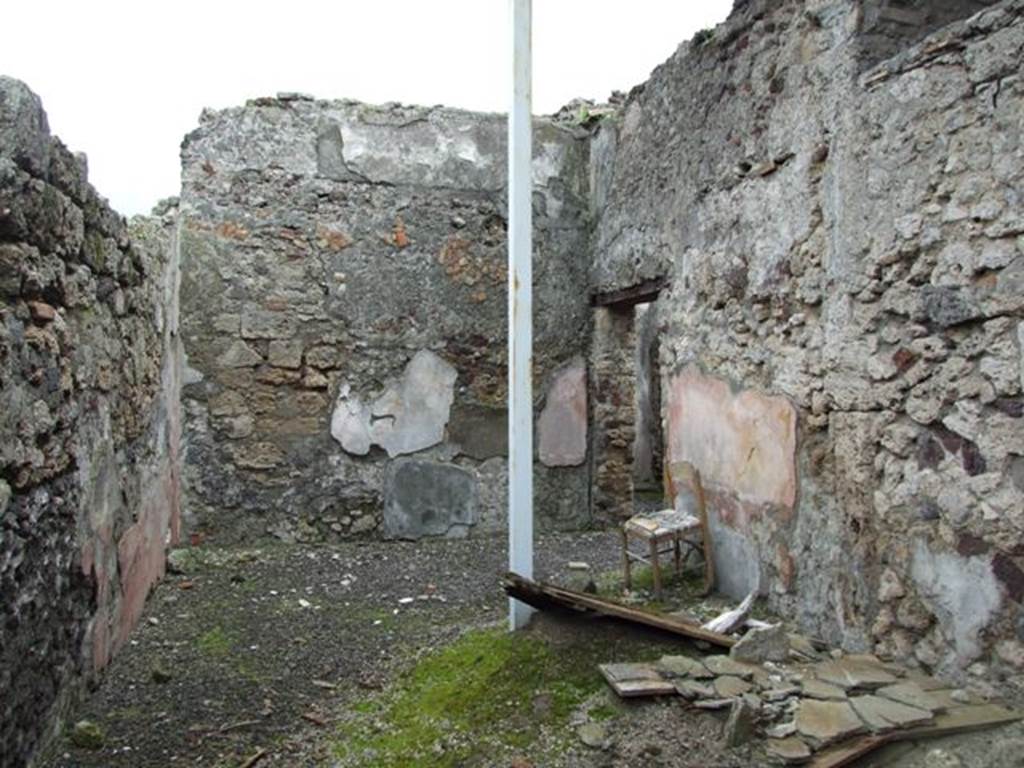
141	561
743	443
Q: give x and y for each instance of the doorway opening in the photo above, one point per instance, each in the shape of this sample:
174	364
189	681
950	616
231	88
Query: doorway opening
627	423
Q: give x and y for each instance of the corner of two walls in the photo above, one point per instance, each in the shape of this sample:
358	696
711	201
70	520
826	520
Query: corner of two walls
344	309
89	410
841	336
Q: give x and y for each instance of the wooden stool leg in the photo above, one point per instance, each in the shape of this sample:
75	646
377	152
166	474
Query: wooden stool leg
627	577
656	569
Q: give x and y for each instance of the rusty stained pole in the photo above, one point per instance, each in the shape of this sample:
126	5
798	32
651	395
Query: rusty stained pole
520	312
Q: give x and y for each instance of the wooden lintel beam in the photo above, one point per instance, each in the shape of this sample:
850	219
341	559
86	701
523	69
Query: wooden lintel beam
641	293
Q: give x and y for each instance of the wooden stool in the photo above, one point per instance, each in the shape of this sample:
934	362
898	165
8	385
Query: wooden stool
674	527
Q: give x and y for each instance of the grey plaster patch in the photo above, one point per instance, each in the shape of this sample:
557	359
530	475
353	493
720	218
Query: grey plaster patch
330	159
480	432
409	416
737	569
492	496
961	591
424	498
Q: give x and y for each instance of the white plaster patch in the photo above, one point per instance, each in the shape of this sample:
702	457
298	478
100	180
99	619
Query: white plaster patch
961	591
409	416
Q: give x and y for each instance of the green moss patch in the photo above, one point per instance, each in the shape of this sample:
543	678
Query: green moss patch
489	693
215	642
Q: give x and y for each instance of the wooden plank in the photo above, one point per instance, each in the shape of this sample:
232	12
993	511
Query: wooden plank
544	596
960	720
641	293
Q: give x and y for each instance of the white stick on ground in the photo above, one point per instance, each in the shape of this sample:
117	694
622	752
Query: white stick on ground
730	621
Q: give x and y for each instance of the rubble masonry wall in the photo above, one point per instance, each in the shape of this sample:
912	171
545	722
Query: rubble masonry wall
344	311
89	411
841	335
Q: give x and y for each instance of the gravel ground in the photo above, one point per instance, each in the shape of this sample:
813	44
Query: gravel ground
264	652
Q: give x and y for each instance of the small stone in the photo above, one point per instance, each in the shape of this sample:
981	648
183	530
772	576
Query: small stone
827	721
855	672
816	689
779	694
364	524
960	696
87	735
682	666
941	758
691	690
284	353
791	750
593	735
762	644
802	645
781	731
576	565
912	695
728	686
239	355
41	311
724	665
161	674
739	728
890	586
713	704
881	714
1012	652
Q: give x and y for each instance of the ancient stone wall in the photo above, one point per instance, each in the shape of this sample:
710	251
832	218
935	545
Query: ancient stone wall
89	413
344	314
841	345
613	360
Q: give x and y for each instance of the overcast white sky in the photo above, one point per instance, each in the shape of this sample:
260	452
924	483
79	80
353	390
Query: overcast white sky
124	80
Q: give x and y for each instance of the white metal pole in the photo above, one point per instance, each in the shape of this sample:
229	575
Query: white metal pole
520	313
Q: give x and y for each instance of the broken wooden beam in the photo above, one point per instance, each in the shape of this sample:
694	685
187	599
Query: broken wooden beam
546	596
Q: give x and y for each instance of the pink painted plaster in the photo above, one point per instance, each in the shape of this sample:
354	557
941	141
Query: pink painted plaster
743	443
562	428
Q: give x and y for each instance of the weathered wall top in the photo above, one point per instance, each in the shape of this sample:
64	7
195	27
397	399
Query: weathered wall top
391	144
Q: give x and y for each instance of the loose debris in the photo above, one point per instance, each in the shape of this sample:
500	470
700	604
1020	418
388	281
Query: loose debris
546	596
826	711
829	712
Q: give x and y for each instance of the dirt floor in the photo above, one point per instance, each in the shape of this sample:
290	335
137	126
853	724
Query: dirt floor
370	654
